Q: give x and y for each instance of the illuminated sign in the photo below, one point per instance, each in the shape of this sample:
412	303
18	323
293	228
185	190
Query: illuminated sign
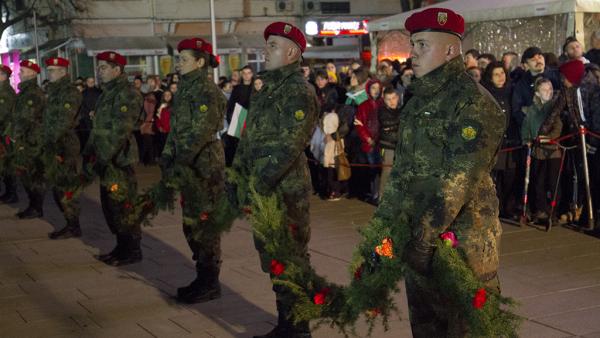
336	28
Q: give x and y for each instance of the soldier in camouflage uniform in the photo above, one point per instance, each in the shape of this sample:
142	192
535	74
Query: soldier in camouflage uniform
280	123
193	162
450	131
62	161
111	153
27	139
7	105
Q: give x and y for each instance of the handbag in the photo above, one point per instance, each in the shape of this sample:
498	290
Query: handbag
342	164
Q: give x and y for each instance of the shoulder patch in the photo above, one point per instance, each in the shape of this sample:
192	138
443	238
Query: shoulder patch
67	106
299	115
29	102
468	133
203	108
123	109
1	100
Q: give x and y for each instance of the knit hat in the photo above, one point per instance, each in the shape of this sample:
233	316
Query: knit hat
573	71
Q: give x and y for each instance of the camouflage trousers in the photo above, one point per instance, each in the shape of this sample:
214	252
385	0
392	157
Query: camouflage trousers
67	201
118	189
295	194
34	183
429	311
199	198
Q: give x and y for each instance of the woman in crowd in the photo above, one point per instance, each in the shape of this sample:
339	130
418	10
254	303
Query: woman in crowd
497	82
162	122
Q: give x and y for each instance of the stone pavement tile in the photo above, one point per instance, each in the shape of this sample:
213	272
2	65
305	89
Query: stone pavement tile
580	322
11	291
201	324
535	329
592	335
128	329
554	303
11	318
163	327
552	268
44	328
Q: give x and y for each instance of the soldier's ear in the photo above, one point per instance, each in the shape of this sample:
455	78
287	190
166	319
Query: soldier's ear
201	62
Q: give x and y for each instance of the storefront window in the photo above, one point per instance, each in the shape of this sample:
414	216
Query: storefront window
256	59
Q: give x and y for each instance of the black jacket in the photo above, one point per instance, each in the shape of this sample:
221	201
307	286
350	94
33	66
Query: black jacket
503	96
389	120
240	94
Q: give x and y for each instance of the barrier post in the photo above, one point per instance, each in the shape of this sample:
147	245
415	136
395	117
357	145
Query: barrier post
586	176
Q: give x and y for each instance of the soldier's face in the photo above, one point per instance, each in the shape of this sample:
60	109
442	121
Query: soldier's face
429	51
27	73
56	73
107	72
280	52
187	62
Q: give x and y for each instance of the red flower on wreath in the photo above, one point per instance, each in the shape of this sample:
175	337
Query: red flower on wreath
293	229
277	268
358	273
479	299
7	140
372	313
449	239
247	210
181	200
319	297
68	195
386	248
204	216
127	206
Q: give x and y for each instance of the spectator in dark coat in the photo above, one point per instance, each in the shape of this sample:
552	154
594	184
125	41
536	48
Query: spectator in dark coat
240	95
497	82
86	111
594	53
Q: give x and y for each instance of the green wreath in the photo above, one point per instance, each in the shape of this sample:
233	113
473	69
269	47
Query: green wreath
375	271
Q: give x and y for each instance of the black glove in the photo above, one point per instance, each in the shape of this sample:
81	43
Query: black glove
418	255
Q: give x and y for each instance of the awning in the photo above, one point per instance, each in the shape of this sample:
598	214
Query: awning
477	10
127	45
47	47
332	52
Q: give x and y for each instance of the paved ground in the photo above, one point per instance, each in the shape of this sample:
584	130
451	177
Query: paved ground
57	289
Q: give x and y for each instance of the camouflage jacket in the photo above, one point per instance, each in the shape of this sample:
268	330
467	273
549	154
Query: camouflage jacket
198	114
449	134
27	130
60	119
280	123
117	113
7	105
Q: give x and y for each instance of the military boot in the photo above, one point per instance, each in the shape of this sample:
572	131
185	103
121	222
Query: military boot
10	194
132	252
204	288
72	229
116	251
286	328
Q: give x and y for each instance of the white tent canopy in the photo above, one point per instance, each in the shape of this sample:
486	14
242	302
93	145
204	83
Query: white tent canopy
491	10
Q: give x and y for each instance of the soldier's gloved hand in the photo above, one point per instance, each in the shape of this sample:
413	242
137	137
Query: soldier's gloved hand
418	256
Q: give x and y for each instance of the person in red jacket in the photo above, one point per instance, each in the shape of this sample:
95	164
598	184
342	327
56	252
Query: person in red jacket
367	127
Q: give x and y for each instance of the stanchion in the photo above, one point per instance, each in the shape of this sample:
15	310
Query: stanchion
523	220
555	194
586	176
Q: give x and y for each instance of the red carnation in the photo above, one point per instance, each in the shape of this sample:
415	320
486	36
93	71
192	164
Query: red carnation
181	201
7	140
358	273
204	216
247	210
479	299
68	195
293	229
277	268
127	205
320	296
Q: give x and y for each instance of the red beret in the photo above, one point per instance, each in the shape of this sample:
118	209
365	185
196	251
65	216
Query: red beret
57	62
114	57
436	20
30	65
6	69
573	70
287	31
195	44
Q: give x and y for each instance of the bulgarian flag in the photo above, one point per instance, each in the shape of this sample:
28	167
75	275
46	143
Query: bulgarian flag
238	121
